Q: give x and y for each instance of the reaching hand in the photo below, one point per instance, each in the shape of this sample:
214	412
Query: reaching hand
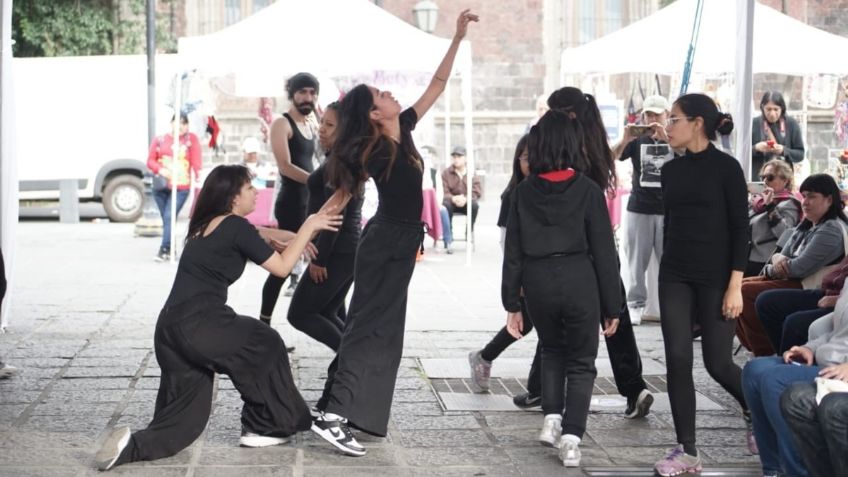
322	221
465	17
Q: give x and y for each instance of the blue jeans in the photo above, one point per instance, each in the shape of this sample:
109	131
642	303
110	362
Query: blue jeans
786	315
163	201
447	235
819	430
763	381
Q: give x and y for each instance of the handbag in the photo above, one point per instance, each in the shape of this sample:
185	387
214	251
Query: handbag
814	281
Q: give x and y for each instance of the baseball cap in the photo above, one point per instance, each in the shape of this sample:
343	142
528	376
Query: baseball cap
655	104
250	145
458	151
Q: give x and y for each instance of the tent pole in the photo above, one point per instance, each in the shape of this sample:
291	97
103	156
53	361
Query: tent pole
175	151
744	83
471	167
447	125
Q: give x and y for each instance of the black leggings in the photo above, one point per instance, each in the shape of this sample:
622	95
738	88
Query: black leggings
315	307
502	340
681	306
289	217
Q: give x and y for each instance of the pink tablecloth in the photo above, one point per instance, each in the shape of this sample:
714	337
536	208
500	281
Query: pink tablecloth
263	214
430	213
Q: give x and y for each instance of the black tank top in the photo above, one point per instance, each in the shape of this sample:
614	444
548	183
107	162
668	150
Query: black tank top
293	195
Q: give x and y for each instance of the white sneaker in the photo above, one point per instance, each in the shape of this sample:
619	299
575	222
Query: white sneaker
7	371
636	314
551	430
569	452
251	439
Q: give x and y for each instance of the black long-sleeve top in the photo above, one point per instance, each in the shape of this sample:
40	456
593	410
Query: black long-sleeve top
706	218
790	138
346	239
560	218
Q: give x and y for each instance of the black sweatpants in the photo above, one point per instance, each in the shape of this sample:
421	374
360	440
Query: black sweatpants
623	354
194	340
681	306
289	217
315	307
362	386
563	300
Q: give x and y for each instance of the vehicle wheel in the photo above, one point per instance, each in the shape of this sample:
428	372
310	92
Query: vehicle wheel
123	198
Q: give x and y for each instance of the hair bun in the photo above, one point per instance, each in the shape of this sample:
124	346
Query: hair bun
724	124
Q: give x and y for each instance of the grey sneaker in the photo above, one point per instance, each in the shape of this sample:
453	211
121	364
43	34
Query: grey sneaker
112	448
639	406
551	431
7	371
480	371
569	452
677	462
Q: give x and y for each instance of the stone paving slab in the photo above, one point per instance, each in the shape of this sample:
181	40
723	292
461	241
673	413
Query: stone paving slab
600	403
517	368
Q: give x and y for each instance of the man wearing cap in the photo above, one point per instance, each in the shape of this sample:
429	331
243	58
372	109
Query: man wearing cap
455	188
262	171
646	146
293	144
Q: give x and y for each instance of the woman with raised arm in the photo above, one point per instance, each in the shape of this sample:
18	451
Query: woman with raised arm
198	335
374	139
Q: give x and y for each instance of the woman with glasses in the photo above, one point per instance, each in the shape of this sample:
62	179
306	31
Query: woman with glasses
772	211
704	257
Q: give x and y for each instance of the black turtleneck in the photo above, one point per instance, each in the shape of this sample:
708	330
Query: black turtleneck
706	218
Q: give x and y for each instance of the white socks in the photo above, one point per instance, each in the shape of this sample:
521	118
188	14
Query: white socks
571	438
553	416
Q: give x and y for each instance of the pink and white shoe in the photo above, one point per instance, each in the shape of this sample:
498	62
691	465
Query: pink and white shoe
678	462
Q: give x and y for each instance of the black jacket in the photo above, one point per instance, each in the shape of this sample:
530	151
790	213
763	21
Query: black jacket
560	218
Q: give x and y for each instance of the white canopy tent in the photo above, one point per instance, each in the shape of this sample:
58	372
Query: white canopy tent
730	41
345	38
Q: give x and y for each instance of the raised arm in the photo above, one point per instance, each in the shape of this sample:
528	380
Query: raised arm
440	78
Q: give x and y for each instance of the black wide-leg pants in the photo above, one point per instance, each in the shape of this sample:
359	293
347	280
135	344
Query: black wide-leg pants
362	386
192	341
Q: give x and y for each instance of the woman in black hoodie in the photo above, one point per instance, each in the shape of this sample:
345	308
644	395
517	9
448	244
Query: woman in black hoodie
559	247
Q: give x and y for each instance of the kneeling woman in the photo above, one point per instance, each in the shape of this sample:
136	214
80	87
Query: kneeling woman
198	335
559	247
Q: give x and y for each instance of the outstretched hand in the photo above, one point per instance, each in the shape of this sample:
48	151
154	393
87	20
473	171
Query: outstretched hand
465	17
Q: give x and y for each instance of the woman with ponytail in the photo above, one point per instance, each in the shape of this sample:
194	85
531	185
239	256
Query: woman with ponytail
704	257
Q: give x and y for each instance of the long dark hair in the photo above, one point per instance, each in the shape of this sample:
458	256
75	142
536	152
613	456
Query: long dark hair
221	187
554	142
826	186
598	163
517	175
697	105
773	97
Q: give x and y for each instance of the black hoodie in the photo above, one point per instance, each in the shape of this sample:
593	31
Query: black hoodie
556	219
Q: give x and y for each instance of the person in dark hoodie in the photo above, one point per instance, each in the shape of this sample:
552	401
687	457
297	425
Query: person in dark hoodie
560	249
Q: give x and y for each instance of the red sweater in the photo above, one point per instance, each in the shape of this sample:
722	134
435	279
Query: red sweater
188	160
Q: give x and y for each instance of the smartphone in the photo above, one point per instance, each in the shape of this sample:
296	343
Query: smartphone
639	129
797	363
756	187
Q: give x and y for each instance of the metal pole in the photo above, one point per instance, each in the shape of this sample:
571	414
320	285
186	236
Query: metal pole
471	165
151	70
744	83
176	150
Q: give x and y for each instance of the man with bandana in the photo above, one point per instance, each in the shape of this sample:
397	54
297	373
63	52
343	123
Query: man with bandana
293	145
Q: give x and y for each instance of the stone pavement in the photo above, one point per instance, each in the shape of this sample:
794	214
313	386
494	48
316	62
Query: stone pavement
84	306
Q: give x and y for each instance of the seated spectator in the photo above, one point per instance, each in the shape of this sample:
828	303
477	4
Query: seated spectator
786	315
817	242
262	171
765	379
456	189
819	430
772	212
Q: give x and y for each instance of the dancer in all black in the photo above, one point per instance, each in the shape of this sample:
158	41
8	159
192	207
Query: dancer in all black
560	250
293	144
374	139
198	335
317	307
704	256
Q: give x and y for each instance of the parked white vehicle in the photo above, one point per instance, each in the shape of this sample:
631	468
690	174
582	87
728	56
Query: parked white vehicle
85	119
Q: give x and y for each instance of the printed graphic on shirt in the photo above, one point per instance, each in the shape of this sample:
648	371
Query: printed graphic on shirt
654	157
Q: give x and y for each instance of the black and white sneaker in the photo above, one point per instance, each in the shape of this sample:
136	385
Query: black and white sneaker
528	401
337	432
639	406
112	448
251	439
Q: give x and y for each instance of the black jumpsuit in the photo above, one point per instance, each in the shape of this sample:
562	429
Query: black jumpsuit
290	207
198	335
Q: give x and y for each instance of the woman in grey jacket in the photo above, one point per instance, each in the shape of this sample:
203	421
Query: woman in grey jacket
772	212
816	243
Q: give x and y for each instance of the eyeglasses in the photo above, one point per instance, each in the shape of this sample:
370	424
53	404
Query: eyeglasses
672	120
767	177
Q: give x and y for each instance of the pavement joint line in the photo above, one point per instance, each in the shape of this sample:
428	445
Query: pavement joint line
297	469
197	447
25	415
447	292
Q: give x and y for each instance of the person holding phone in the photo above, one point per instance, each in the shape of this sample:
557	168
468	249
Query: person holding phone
646	146
775	135
772	210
